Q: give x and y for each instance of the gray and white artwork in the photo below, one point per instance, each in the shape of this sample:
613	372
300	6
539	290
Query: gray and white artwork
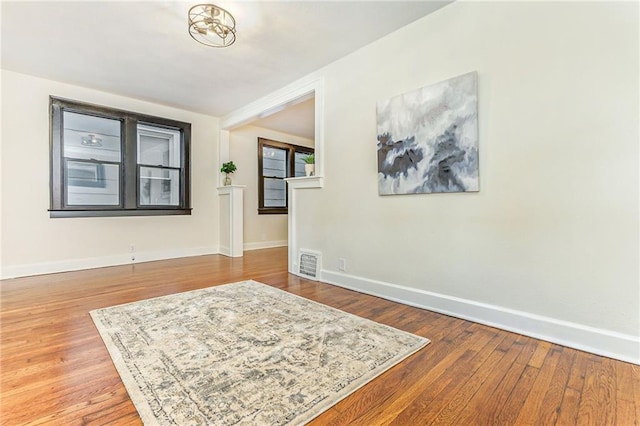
428	139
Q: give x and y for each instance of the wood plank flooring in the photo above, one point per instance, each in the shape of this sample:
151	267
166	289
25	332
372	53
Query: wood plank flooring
56	370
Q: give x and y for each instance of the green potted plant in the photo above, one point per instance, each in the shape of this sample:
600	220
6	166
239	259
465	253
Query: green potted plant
227	169
310	165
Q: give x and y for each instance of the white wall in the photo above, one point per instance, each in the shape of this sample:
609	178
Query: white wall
266	230
549	246
34	243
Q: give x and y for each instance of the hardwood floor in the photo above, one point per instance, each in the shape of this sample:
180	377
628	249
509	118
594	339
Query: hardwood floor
56	370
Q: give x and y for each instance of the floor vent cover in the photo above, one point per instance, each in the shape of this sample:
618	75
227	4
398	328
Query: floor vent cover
309	264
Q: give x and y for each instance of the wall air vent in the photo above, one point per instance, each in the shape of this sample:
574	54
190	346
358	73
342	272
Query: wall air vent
309	264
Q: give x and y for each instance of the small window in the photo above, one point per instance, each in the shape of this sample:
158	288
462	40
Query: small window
276	162
107	162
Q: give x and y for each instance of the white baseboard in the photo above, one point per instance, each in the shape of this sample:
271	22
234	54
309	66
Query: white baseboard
265	244
100	262
607	343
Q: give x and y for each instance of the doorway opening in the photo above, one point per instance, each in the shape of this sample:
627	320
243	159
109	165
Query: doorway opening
295	115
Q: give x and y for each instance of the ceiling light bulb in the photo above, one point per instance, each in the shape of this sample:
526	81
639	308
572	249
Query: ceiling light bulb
91	140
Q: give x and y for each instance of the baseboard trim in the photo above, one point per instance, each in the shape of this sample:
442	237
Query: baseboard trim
17	271
265	244
607	343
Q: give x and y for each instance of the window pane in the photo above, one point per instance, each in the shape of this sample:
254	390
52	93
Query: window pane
89	137
158	146
274	162
299	164
275	193
92	184
159	187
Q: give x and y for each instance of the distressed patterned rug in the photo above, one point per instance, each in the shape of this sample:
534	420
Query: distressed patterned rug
244	353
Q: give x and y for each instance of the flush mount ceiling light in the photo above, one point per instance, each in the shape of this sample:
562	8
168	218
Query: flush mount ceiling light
91	140
212	25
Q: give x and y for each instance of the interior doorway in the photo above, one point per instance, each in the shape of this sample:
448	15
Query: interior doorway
295	106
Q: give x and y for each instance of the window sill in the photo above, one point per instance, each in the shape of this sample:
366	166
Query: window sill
273	210
117	213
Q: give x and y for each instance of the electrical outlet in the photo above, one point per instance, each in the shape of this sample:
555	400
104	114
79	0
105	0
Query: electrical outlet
342	264
132	248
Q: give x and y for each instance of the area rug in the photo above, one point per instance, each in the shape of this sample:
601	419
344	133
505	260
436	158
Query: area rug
244	354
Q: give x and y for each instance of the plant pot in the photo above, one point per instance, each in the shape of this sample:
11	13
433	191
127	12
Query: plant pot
310	169
227	180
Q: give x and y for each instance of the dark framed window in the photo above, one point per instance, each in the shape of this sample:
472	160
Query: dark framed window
276	162
109	162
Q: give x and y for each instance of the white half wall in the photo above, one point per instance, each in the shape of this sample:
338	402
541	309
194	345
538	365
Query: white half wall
33	243
260	230
554	232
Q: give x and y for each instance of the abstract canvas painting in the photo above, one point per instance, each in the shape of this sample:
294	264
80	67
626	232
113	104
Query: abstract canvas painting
428	139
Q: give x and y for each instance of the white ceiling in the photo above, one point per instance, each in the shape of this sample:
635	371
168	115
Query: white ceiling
298	119
142	49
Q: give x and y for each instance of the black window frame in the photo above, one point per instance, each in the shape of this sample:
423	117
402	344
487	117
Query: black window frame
129	189
291	151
